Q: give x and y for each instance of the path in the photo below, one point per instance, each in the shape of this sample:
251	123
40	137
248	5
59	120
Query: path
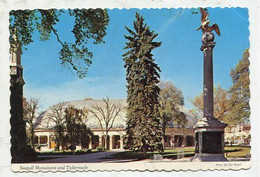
97	157
101	157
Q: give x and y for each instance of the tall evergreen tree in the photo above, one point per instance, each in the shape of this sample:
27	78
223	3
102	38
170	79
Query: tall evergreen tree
240	92
144	131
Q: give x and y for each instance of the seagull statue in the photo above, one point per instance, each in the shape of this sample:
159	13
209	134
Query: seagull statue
205	23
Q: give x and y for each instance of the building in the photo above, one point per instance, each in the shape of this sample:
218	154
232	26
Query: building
238	134
45	136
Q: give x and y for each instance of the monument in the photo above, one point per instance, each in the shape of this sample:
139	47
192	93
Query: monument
209	132
18	130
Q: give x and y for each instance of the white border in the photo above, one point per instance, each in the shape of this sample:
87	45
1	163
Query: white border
254	16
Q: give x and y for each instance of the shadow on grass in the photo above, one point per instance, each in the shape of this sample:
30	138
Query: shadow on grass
139	155
233	150
65	153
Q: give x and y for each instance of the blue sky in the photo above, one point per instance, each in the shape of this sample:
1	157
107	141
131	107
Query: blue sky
179	56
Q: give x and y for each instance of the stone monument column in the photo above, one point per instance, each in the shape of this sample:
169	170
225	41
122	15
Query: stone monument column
18	125
209	132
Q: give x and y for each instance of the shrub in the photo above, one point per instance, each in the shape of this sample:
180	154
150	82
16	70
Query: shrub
72	147
29	154
100	148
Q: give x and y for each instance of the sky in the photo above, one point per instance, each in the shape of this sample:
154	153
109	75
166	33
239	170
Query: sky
179	56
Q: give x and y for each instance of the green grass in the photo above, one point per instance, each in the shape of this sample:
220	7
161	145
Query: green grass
230	152
234	152
67	152
237	152
171	154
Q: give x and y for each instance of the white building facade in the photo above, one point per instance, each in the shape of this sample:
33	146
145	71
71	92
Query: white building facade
44	138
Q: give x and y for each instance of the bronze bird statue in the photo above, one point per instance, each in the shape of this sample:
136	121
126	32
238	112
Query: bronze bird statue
205	23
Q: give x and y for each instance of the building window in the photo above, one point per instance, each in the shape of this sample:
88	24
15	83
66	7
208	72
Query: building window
35	140
43	139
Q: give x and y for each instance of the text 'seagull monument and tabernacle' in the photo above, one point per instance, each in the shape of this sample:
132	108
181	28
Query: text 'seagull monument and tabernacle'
209	133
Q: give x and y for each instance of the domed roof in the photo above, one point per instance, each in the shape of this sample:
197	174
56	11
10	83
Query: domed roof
44	120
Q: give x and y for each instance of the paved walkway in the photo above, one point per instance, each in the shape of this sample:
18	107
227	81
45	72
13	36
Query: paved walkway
83	158
103	157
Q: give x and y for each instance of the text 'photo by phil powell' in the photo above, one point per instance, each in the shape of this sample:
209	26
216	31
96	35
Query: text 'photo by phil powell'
129	89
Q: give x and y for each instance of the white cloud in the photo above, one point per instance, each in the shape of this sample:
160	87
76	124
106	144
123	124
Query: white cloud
170	21
96	88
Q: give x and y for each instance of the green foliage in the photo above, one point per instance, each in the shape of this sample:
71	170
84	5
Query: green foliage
77	131
221	100
30	154
59	135
170	98
144	131
240	92
89	26
30	108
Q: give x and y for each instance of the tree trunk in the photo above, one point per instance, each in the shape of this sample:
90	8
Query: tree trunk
32	136
106	146
163	131
144	149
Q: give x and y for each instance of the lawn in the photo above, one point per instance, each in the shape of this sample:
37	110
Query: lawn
67	152
234	152
237	152
171	154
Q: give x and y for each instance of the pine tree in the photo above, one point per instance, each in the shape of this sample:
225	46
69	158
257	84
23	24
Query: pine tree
144	131
240	92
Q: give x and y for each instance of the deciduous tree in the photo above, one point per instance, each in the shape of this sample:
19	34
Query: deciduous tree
30	115
221	99
240	91
76	129
57	116
170	99
89	27
106	113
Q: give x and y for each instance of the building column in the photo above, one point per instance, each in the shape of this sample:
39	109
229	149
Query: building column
49	145
39	139
184	142
111	142
90	143
172	140
48	142
121	142
100	140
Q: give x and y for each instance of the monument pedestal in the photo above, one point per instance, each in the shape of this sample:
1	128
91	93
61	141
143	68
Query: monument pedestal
209	140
